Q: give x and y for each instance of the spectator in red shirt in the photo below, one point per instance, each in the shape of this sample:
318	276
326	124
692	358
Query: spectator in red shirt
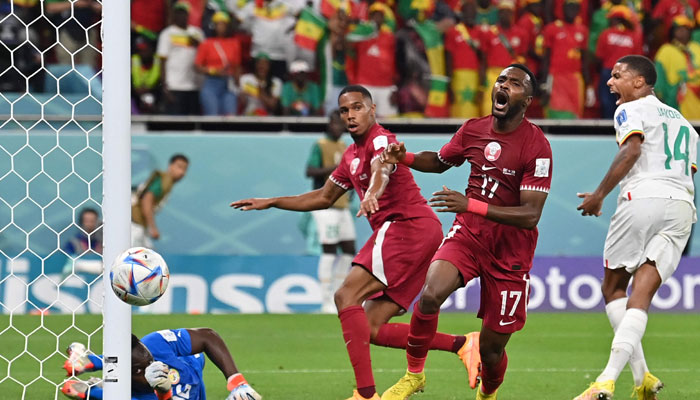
666	10
219	60
376	64
502	45
148	17
532	23
564	65
559	12
620	39
462	63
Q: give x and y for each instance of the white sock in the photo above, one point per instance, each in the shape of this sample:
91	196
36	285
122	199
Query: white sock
628	335
325	277
342	267
616	311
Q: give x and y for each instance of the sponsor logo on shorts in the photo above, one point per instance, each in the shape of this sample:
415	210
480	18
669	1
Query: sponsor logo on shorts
501	323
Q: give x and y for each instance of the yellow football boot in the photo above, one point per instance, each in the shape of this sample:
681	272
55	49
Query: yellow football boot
481	396
598	391
649	388
405	387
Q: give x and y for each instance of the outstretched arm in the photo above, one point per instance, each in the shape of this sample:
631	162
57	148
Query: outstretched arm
377	184
207	341
525	216
629	152
314	200
424	161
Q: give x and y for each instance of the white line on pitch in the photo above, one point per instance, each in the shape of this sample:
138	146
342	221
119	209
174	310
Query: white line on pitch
392	370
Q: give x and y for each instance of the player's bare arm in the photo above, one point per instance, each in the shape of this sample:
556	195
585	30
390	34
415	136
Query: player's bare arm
621	165
377	184
315	200
525	216
424	161
207	341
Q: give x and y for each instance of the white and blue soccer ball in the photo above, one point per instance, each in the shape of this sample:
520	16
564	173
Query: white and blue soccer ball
139	276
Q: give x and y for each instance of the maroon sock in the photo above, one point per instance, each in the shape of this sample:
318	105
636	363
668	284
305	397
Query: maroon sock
396	336
491	378
420	336
356	333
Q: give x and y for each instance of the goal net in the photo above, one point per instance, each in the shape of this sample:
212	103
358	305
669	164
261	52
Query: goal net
52	239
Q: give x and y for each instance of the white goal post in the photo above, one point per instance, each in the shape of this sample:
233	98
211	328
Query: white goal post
116	206
59	157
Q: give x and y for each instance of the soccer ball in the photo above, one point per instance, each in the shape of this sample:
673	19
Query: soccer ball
139	276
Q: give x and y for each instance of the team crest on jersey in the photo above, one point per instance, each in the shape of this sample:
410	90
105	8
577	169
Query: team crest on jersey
492	151
353	165
174	376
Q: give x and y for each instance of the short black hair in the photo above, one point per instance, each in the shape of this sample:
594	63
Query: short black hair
177	157
641	65
356	89
533	80
87	210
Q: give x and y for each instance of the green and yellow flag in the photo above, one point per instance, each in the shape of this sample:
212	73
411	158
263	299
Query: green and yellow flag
310	29
435	52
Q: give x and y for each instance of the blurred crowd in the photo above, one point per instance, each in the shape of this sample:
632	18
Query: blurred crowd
419	58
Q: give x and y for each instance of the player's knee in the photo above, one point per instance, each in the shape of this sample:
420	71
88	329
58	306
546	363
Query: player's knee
344	298
429	302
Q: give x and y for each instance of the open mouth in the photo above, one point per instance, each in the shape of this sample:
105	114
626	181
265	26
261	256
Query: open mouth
500	100
352	127
617	95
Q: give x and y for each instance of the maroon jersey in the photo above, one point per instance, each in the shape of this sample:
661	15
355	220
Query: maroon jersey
502	165
401	198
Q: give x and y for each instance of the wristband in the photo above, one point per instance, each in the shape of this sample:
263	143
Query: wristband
477	207
164	396
408	159
235	381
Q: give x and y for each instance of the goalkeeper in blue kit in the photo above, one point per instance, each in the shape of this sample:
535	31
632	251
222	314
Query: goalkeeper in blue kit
166	364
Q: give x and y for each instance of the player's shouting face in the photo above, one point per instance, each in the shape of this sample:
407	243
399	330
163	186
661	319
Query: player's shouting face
512	94
357	112
623	82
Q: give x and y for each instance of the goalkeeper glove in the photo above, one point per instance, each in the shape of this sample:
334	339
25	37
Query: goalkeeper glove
78	361
240	389
157	376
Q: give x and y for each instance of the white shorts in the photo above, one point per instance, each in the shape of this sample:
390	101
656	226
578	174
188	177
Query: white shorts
653	229
381	96
139	236
334	225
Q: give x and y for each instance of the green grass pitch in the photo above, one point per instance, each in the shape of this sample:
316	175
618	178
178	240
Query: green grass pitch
289	357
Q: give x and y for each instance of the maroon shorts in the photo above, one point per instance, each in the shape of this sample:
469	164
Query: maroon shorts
505	285
398	254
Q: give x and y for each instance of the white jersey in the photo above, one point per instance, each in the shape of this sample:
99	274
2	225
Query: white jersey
669	150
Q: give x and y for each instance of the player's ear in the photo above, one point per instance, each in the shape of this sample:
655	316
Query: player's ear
528	101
